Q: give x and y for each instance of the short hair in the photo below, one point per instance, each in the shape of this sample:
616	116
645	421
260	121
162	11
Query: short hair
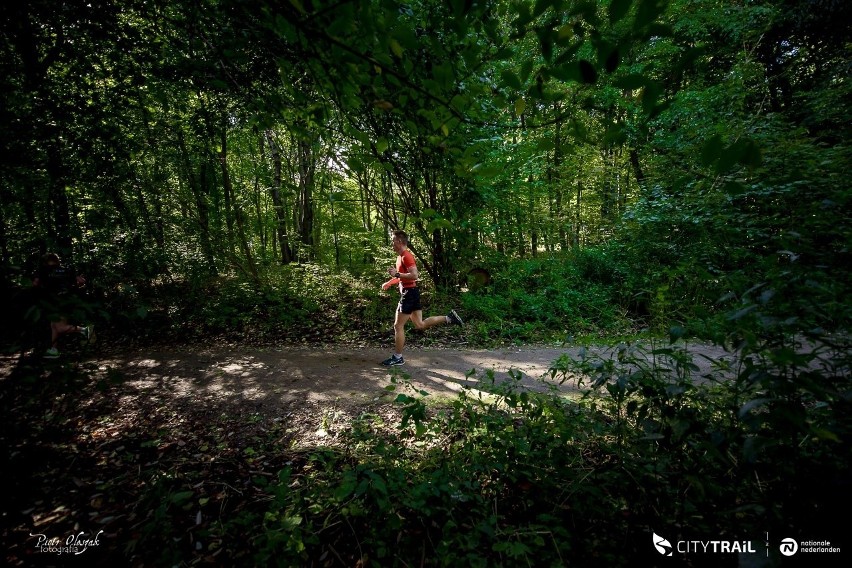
50	258
401	236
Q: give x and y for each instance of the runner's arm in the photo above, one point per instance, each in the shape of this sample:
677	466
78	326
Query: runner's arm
406	263
411	275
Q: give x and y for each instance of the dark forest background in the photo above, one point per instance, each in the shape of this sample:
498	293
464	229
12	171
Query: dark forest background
568	170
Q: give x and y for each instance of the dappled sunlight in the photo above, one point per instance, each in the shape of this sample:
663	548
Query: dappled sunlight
271	379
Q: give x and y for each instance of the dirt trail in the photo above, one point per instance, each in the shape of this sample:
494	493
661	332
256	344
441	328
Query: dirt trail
350	375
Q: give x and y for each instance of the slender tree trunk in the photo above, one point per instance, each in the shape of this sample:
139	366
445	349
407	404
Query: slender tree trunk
305	208
61	228
260	226
499	232
333	224
5	274
534	225
236	212
198	189
364	193
440	263
577	215
519	225
637	170
227	191
277	202
555	183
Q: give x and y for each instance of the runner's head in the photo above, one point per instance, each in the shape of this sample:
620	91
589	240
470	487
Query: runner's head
400	241
50	259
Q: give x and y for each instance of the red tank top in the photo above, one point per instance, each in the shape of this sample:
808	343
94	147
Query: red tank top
404	263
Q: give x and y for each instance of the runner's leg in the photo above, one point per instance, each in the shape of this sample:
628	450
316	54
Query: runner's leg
399	331
420	323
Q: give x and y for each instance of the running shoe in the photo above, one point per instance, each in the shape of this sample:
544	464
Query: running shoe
88	333
392	361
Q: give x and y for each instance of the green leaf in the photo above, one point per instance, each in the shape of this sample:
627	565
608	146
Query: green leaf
733	188
541	7
545	38
487	171
346	487
566	32
824	434
298	5
650	95
676	332
459	7
612	60
526	69
689	57
660	30
749	153
291	522
744	151
588	72
181	497
751	405
567	73
631	82
437	224
444	75
618	9
712	150
742	313
510	79
520	106
648	11
545	144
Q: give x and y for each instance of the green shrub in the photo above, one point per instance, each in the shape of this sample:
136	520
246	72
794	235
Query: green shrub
515	477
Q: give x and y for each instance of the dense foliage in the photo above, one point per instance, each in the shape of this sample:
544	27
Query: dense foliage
151	142
566	169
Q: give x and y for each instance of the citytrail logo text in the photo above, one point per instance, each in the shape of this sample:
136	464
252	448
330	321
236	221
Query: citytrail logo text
703	546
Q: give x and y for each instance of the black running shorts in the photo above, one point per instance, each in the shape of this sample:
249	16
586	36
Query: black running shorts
410	301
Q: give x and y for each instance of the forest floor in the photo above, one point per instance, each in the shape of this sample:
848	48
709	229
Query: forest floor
348	376
136	442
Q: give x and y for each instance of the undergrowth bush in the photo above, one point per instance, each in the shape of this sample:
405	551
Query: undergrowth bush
550	297
527	301
513	477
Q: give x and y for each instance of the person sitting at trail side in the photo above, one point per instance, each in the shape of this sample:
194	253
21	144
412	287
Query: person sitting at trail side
55	282
405	274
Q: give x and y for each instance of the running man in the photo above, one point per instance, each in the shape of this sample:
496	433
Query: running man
55	282
405	274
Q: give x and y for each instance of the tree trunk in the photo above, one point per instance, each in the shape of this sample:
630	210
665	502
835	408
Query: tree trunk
555	182
236	213
637	170
305	206
277	202
576	242
60	230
